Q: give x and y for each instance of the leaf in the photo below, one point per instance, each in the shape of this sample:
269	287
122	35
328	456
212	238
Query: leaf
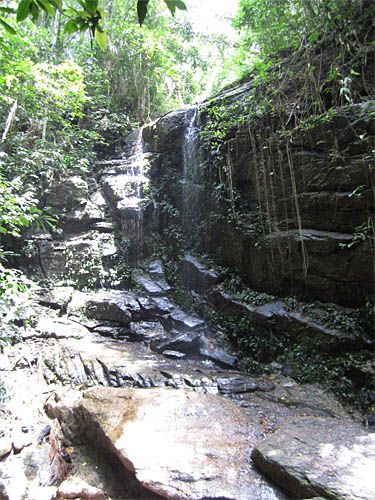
34	12
7	27
56	3
8	10
142	10
46	5
71	27
24	221
173	4
70	12
101	12
100	37
92	5
23	10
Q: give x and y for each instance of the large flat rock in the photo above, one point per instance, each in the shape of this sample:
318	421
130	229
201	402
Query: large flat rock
312	456
180	444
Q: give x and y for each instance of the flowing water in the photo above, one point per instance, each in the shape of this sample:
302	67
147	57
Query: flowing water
131	182
191	189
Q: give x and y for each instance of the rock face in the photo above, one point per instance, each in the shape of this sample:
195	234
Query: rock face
174	442
301	224
320	456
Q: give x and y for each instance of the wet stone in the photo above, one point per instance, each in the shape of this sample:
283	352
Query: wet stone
183	322
196	275
174	354
155	269
187	343
149	286
219	356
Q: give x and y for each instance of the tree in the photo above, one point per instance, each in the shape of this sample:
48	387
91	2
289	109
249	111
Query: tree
274	25
88	16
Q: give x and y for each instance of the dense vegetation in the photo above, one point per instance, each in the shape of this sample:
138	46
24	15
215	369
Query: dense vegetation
61	93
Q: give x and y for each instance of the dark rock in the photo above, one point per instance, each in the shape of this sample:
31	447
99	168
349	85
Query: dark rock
117	306
3	491
218	356
183	322
168	132
147	331
155	307
320	456
196	276
155	268
187	343
236	385
276	316
151	287
68	195
174	354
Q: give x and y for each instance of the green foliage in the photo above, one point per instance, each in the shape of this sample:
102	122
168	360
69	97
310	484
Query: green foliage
87	16
271	25
363	232
14	295
276	25
18	210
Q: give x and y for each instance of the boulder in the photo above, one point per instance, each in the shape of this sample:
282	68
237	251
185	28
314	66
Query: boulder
187	343
116	305
218	356
49	327
174	442
153	288
168	133
55	298
155	269
75	487
68	195
196	276
298	325
79	259
183	322
320	456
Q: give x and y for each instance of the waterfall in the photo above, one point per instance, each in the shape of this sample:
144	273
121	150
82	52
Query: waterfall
124	185
191	188
132	223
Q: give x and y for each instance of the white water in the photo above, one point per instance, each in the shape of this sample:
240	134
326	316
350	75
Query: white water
191	170
128	181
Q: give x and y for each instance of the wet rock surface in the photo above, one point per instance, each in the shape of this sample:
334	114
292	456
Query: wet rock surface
174	443
320	456
184	377
196	276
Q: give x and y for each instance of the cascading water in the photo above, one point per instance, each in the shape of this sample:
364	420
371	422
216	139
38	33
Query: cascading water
125	185
191	189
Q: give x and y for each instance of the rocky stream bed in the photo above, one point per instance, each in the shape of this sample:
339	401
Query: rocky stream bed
117	395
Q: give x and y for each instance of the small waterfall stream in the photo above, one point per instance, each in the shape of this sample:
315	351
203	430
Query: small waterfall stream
132	222
125	184
191	188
